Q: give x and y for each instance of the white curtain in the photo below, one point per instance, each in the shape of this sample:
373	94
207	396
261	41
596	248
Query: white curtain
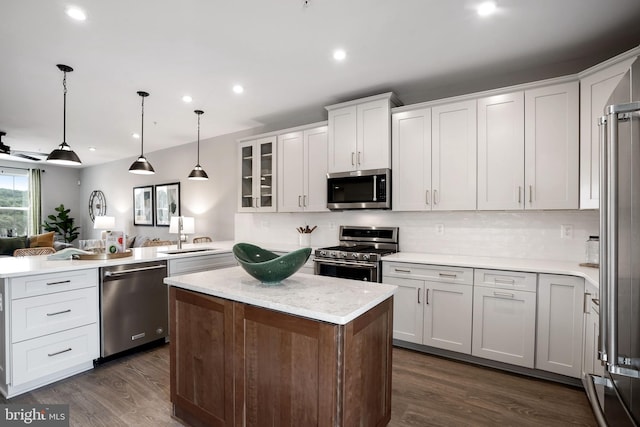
35	214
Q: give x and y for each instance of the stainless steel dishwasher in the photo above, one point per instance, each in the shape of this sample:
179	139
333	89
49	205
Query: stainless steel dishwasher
134	305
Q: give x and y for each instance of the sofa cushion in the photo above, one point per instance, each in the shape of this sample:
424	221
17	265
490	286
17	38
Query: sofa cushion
41	240
10	244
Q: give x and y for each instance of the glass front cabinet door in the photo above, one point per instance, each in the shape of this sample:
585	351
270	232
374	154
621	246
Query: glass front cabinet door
257	189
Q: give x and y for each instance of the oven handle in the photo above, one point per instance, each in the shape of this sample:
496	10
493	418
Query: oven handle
346	263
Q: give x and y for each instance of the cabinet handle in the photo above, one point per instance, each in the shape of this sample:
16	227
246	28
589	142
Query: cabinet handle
530	194
59	312
426	296
451	275
62	282
586	297
257	205
299	203
353	157
359	155
304	201
504	281
58	352
519	194
427	196
399	270
503	294
436	199
418	295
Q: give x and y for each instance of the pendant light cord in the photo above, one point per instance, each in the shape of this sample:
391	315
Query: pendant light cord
64	107
198	139
142	131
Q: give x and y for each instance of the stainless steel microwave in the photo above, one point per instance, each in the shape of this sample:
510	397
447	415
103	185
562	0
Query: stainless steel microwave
368	189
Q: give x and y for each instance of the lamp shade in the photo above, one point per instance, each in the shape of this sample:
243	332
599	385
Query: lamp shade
63	155
104	223
188	225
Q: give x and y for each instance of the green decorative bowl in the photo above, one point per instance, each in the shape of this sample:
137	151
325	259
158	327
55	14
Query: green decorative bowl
266	266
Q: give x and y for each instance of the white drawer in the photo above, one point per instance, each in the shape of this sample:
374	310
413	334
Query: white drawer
438	273
514	280
46	314
39	357
41	284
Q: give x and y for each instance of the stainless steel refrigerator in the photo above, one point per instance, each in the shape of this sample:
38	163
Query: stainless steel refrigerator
616	396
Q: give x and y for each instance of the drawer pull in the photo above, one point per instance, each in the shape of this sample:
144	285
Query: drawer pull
451	275
504	281
503	294
399	270
62	282
59	352
59	312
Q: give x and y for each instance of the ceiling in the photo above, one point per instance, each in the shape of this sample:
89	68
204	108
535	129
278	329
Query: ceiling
280	51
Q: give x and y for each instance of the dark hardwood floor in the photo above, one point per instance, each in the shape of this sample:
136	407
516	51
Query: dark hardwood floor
427	391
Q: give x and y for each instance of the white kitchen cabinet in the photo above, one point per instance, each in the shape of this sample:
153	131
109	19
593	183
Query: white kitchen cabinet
360	134
591	365
257	166
433	304
528	149
302	170
559	329
596	86
434	158
551	147
504	316
51	331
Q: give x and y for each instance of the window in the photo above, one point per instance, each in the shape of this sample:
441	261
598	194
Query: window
14	202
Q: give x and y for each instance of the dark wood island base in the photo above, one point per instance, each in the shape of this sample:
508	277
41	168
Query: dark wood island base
234	364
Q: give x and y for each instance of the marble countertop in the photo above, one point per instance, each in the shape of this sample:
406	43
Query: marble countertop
327	299
495	263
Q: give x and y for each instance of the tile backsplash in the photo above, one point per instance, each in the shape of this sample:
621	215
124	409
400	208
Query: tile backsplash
532	235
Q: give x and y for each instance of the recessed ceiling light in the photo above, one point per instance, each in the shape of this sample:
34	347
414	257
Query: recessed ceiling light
486	8
135	135
238	89
339	54
92	148
187	99
76	13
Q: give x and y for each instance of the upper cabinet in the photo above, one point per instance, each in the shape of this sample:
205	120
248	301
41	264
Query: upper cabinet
434	158
302	170
595	89
257	189
528	149
360	134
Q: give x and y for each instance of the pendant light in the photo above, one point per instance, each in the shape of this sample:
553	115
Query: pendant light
142	166
5	150
64	155
198	174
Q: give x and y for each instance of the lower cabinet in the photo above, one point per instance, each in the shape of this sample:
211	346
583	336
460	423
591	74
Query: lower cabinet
238	364
433	304
504	316
591	364
560	320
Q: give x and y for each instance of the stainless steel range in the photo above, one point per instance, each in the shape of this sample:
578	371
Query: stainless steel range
359	254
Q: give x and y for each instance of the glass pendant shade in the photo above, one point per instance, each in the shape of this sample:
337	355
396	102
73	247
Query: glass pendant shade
142	166
198	174
64	155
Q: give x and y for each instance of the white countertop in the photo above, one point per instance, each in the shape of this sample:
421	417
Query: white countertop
327	299
494	263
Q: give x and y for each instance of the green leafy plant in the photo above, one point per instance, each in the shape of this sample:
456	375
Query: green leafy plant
62	224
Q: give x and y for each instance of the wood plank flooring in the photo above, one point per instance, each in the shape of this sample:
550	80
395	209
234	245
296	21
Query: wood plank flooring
427	391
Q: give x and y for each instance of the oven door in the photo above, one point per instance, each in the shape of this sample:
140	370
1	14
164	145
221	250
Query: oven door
364	271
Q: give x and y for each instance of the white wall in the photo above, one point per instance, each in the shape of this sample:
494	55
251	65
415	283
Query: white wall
533	235
59	185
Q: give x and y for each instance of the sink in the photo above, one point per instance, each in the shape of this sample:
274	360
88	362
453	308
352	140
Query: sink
267	267
187	251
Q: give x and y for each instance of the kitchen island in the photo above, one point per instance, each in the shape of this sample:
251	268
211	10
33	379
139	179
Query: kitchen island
313	350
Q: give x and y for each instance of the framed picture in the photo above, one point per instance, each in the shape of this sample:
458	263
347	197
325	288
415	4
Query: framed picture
167	203
143	205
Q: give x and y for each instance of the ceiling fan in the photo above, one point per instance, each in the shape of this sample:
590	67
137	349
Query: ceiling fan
5	150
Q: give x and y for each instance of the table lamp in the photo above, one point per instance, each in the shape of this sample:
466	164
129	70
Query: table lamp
182	225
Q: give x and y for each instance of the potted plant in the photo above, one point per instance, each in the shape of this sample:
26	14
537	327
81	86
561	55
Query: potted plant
62	224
